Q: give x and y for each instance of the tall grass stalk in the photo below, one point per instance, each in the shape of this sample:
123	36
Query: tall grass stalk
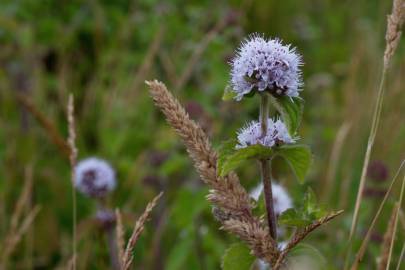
334	159
364	244
392	37
370	143
399	203
401	257
73	160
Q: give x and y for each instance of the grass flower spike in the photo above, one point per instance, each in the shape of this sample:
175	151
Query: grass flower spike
266	65
94	177
276	134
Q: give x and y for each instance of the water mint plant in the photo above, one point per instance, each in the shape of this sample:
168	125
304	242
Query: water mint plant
270	71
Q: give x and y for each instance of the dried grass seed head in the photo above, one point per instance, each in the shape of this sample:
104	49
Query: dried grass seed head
94	177
266	65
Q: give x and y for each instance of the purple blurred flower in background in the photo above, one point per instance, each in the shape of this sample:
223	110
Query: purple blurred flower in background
377	171
94	177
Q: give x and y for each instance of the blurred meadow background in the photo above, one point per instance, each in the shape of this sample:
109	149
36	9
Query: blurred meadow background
103	51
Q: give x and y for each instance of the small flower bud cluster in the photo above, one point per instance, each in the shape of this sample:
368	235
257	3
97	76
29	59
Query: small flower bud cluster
94	177
276	134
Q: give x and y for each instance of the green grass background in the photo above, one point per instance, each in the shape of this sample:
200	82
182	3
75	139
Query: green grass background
102	51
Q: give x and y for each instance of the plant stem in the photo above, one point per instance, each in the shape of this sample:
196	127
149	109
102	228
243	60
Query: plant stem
268	196
265	169
264	113
112	247
109	228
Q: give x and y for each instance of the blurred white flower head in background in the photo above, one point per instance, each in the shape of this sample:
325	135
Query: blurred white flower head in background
94	177
281	199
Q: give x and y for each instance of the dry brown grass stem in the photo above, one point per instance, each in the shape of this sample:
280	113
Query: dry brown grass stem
168	66
334	159
127	258
388	237
394	24
401	257
18	225
301	234
402	218
363	247
120	233
398	205
233	208
73	159
23	199
148	60
198	51
14	237
72	133
52	132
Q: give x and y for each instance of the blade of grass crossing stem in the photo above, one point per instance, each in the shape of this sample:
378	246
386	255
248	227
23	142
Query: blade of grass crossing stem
364	244
401	257
373	132
399	203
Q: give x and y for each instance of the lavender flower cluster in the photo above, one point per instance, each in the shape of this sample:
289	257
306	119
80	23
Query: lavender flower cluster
276	134
266	65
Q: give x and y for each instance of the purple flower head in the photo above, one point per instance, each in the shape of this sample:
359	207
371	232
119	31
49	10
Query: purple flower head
106	218
276	134
266	65
377	171
94	177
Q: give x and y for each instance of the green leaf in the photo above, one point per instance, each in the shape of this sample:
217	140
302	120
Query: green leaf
294	218
178	255
311	207
237	257
181	214
229	94
299	158
304	254
230	160
304	215
290	109
226	149
310	201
